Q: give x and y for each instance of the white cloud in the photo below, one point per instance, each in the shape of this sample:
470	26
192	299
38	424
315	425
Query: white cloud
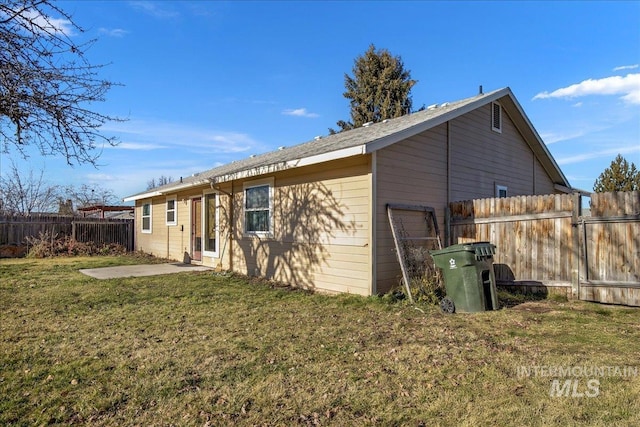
627	86
151	8
553	137
49	24
596	154
299	112
137	146
100	177
115	32
626	67
152	135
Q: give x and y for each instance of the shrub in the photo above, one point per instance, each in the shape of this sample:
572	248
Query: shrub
426	283
47	245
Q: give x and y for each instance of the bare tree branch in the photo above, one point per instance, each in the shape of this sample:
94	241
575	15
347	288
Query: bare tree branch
90	194
47	84
22	194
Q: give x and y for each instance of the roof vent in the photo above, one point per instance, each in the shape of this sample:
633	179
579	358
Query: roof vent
317	138
432	107
366	125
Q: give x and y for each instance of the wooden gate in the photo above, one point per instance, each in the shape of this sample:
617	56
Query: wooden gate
548	244
610	239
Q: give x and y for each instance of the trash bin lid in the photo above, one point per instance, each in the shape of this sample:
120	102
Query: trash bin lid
480	249
484	249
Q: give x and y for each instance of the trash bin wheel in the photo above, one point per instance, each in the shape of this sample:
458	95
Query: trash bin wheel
447	306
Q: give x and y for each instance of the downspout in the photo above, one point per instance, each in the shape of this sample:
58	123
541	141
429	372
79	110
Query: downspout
231	219
447	212
373	235
534	172
216	187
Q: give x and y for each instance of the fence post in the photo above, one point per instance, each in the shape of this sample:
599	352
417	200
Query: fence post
575	246
447	225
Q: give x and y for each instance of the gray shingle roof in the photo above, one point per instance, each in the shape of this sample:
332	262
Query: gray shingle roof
366	138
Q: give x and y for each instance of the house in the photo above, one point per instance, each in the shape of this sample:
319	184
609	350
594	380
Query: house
106	211
314	215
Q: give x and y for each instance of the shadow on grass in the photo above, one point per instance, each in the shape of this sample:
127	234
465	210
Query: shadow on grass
510	299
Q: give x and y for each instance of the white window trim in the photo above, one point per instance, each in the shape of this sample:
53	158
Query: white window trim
216	253
493	110
258	183
502	188
142	216
175	211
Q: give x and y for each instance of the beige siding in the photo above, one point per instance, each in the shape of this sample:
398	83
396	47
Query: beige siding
413	172
321	229
486	158
172	241
156	242
544	185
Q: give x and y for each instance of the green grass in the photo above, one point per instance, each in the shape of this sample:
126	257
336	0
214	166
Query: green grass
204	349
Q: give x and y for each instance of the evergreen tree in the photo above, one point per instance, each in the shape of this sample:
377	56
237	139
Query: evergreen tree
619	176
379	89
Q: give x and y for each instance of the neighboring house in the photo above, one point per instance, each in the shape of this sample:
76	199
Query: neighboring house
106	211
314	215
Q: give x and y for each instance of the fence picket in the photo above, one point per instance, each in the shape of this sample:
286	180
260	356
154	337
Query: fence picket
539	242
14	229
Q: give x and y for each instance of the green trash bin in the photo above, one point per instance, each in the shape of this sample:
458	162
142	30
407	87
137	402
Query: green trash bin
469	280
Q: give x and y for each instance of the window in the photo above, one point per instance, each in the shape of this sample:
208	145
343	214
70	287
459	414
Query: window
210	215
146	218
501	191
496	117
172	214
257	208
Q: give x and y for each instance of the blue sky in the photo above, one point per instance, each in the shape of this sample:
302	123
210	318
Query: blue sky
205	83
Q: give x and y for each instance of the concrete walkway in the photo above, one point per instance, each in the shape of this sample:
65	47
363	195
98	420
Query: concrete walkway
141	270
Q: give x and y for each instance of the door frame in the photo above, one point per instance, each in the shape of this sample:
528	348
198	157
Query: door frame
216	252
195	255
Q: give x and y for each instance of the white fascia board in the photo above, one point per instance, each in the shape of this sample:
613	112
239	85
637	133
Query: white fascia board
142	196
165	191
290	164
332	155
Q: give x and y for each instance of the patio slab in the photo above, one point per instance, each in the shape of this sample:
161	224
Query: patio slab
141	270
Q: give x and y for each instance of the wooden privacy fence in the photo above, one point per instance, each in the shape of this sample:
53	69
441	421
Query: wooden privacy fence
14	229
545	243
610	239
104	231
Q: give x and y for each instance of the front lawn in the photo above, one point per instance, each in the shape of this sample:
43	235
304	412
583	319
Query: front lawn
205	349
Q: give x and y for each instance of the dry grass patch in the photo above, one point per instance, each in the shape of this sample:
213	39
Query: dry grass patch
205	349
